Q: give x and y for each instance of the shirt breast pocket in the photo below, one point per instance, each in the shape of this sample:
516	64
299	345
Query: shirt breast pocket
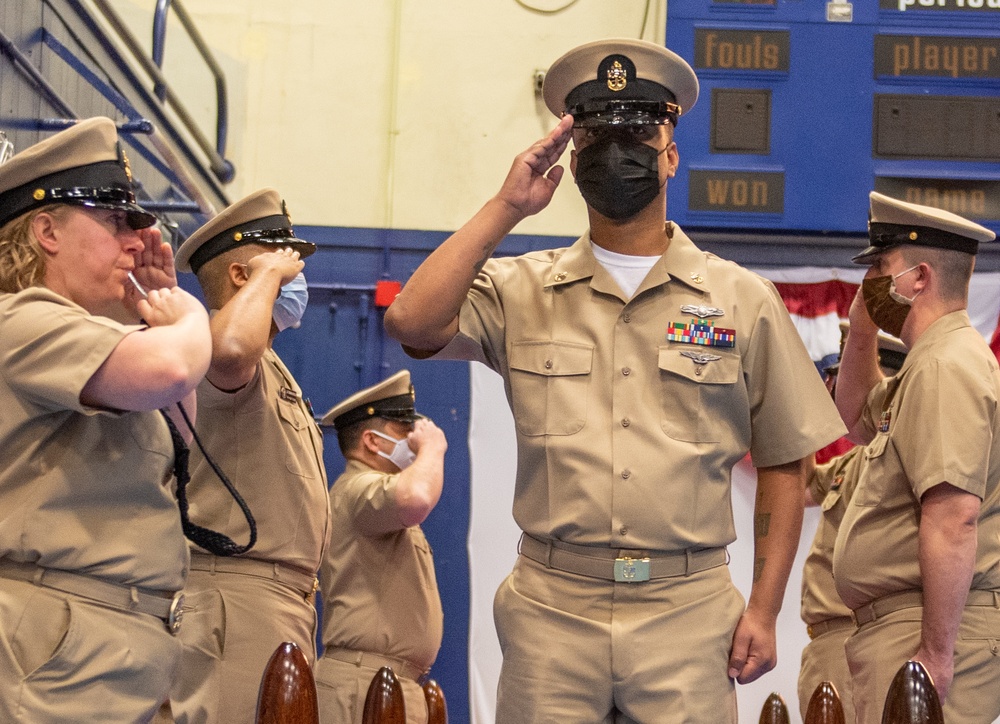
831	499
869	493
697	397
550	386
831	518
295	427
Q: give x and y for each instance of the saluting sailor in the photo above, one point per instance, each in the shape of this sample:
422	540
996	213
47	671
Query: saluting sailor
92	554
916	555
258	427
639	370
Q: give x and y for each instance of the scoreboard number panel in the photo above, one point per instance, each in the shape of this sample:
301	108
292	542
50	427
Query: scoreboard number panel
802	112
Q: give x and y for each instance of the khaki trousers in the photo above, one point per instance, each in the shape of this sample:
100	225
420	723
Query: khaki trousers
824	659
64	658
877	650
342	688
233	622
578	649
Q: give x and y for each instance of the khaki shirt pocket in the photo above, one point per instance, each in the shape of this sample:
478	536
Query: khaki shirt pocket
831	520
869	493
295	428
831	499
699	399
425	559
550	386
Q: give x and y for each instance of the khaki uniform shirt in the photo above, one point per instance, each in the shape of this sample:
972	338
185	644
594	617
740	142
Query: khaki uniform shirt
380	593
625	438
264	438
936	421
832	483
81	489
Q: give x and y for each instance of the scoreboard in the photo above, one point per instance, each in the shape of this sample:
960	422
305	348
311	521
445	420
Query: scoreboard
807	105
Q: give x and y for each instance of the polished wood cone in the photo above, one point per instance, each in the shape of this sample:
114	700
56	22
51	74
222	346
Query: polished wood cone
774	710
437	708
287	691
384	703
912	698
824	706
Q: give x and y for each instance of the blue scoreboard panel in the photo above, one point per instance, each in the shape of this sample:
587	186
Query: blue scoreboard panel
807	105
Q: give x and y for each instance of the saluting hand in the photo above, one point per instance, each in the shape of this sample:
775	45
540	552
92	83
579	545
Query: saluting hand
164	307
861	322
285	263
154	265
427	436
533	177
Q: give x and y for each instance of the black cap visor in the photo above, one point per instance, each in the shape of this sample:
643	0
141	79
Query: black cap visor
113	198
398	407
888	236
271	231
102	185
623	113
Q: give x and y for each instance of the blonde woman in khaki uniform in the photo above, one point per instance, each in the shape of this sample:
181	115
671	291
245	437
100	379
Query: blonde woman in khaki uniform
639	370
92	556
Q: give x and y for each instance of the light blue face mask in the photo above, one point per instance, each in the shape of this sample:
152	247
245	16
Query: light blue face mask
291	303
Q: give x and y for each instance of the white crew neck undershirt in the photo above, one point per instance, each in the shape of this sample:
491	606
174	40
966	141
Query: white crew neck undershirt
627	270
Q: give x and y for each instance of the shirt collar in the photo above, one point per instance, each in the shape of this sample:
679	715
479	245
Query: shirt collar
682	261
939	328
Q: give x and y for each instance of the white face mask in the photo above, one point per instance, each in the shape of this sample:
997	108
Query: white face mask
908	301
401	456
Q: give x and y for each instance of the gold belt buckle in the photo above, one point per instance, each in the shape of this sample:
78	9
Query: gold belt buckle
176	614
631	570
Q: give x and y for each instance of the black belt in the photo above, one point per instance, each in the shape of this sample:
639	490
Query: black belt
619	564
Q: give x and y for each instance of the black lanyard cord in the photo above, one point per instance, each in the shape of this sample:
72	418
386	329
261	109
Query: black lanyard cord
211	540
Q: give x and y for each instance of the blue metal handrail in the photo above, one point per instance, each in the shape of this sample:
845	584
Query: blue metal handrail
159	47
21	62
221	167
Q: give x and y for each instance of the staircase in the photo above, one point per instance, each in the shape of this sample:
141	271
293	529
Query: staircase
63	60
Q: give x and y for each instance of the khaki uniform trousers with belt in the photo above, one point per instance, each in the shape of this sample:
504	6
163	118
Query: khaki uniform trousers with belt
237	612
76	648
824	659
889	634
600	635
344	675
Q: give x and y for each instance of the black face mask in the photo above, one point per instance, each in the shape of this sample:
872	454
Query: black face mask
618	178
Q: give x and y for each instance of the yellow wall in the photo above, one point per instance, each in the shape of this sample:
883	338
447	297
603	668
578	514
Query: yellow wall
388	113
